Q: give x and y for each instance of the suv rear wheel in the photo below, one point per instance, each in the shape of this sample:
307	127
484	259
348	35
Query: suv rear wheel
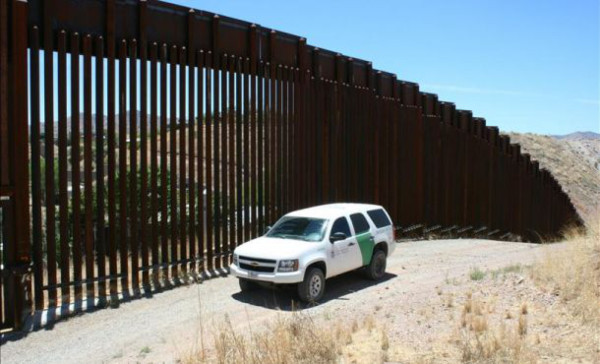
312	288
376	268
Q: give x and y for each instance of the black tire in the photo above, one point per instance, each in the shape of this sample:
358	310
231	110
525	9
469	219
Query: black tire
312	288
376	268
247	285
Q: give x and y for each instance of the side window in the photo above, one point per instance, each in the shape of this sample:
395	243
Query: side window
379	218
360	223
341	226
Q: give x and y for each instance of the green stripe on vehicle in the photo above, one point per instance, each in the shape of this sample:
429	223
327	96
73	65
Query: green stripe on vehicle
366	246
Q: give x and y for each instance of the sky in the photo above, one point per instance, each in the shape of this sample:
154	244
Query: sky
524	66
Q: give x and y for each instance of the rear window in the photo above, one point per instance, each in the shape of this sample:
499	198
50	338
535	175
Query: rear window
360	223
379	218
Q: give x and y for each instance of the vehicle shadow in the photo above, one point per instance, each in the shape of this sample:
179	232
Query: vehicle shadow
284	298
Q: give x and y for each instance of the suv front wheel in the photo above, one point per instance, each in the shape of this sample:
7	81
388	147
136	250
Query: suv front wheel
312	288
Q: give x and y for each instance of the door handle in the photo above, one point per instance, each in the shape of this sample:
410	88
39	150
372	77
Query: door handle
350	244
372	238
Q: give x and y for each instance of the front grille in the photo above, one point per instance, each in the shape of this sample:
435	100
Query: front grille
257	268
257	260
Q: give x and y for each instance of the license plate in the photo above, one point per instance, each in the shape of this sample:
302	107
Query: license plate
252	274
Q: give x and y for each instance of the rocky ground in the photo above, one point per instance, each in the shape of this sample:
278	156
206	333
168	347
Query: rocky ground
418	313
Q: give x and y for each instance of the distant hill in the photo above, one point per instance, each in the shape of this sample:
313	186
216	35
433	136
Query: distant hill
574	160
579	135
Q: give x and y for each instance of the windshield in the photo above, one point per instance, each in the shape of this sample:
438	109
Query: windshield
299	228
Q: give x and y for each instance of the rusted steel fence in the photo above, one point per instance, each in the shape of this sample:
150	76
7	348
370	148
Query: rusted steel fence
147	140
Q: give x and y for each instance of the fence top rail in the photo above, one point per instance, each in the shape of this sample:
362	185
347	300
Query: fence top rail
164	23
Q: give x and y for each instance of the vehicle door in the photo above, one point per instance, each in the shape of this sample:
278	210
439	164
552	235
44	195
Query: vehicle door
344	255
363	236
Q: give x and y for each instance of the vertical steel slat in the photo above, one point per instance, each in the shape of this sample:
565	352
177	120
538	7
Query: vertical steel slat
279	137
322	155
123	230
312	166
62	167
294	138
277	143
111	147
351	149
144	195
155	231
216	159
182	161
36	175
164	192
419	155
238	149
253	50
377	140
209	175
87	165
201	162
14	160
217	121
273	48
260	128
396	166
100	211
231	121
133	166
224	159
49	152
268	143
76	164
291	167
191	160
173	244
246	147
284	141
6	289
251	166
318	155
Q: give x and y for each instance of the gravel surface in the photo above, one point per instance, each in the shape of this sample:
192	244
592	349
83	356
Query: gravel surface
168	325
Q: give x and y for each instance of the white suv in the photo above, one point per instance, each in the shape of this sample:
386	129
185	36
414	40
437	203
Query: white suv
307	246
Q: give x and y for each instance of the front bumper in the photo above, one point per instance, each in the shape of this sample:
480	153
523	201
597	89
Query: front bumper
276	278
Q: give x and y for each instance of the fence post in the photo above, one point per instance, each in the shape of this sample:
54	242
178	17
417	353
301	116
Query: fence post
15	162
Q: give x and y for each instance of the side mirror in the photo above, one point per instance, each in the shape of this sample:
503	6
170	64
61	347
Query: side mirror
337	237
267	229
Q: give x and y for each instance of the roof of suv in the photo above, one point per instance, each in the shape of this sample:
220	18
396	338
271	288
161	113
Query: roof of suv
333	210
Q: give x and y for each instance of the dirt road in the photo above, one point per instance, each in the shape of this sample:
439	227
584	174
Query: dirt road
168	325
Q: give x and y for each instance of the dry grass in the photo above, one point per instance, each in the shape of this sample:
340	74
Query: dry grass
573	275
483	340
294	339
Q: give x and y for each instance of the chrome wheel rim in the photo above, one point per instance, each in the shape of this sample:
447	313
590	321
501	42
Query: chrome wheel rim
315	286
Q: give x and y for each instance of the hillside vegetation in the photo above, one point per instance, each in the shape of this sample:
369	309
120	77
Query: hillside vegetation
574	161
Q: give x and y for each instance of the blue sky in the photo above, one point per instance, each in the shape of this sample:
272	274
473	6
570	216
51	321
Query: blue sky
526	66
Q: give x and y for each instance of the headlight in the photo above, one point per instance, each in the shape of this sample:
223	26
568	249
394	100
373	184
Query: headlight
290	265
235	260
